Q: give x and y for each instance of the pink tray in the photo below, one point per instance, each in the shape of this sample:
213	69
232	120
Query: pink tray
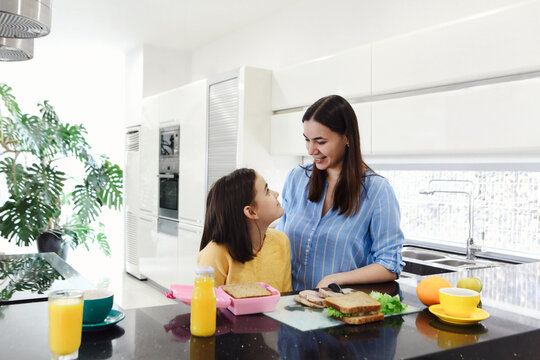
236	306
183	293
253	305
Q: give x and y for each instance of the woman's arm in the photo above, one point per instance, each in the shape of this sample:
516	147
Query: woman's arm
372	273
387	241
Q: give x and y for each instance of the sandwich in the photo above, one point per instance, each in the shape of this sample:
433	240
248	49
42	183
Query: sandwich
310	298
355	308
246	290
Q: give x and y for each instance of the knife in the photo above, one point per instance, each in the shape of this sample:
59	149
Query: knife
336	288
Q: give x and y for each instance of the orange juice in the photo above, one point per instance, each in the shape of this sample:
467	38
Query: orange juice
203	305
65	324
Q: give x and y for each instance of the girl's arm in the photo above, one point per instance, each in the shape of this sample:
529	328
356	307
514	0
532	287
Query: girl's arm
216	257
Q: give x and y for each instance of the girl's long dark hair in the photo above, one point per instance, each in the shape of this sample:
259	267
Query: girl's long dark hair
338	115
225	222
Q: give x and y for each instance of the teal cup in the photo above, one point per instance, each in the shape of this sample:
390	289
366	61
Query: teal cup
97	305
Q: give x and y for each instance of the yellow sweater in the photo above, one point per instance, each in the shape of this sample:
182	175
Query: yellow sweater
272	265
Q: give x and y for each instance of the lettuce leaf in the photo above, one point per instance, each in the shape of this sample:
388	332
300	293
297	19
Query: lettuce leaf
389	304
336	313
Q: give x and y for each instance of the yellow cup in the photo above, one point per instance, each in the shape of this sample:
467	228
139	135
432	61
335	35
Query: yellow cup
459	302
65	323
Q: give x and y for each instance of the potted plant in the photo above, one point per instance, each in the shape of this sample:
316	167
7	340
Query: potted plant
39	159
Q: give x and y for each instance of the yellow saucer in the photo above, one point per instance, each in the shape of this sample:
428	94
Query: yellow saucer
476	316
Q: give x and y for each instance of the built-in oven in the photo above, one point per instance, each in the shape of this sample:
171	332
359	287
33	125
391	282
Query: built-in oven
169	157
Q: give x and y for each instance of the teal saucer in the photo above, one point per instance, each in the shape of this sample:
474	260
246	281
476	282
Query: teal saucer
111	319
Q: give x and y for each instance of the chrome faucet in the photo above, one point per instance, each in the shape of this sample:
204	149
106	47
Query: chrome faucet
471	247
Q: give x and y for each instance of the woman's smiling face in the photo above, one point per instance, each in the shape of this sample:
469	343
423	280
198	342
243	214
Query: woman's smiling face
325	146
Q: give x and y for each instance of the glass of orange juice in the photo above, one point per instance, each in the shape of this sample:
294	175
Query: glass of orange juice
65	323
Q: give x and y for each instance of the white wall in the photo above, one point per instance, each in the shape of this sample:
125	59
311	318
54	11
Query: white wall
315	28
164	69
85	84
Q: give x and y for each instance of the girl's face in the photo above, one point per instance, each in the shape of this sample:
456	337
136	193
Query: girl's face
266	204
325	146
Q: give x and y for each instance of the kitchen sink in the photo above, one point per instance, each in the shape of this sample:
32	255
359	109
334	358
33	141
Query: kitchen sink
420	261
422	269
420	255
455	262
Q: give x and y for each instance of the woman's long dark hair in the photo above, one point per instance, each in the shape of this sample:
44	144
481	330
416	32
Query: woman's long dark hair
225	222
337	114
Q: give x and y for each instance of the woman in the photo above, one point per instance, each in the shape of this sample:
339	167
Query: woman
236	240
341	218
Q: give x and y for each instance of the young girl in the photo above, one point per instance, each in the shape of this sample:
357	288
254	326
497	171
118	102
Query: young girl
236	240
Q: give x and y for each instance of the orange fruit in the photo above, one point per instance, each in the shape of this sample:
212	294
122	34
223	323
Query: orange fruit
428	289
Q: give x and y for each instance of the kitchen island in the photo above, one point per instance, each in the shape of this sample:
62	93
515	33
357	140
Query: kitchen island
510	295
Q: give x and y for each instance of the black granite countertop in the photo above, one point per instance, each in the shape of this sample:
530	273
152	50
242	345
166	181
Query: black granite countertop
30	277
510	295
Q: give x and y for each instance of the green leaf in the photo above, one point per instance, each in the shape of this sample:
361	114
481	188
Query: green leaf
389	304
40	195
335	313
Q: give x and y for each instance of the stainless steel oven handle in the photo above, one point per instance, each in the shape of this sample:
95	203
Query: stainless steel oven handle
165	176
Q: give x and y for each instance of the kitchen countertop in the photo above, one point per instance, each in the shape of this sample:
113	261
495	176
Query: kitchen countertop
30	277
510	295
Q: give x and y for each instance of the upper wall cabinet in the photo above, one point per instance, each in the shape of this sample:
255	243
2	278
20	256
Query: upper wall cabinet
347	74
499	43
500	118
286	132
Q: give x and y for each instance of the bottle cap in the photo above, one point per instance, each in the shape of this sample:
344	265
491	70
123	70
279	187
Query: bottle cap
204	270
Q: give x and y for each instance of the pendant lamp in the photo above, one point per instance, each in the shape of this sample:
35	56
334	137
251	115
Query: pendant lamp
20	22
16	49
24	19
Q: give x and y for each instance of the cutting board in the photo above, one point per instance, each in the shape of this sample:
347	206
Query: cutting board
306	318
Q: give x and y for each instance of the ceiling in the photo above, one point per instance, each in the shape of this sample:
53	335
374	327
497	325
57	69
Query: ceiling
178	24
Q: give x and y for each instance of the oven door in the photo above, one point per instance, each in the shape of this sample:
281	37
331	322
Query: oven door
168	196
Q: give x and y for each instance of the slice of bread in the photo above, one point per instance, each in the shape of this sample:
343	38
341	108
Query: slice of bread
305	301
246	290
363	319
352	303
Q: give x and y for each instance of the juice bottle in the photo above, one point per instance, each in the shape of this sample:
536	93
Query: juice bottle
203	303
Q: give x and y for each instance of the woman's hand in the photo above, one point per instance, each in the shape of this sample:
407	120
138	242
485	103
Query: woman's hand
327	280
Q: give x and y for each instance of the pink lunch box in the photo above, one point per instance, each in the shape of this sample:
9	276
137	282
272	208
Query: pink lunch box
236	306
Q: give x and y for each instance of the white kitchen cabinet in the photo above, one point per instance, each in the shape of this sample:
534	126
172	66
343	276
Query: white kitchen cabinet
149	154
146	244
192	175
238	133
347	74
132	200
159	240
493	44
169	107
286	134
189	240
501	118
287	131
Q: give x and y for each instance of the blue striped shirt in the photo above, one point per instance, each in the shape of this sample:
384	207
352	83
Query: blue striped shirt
335	243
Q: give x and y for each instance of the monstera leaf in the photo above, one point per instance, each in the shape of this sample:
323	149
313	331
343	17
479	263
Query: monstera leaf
42	196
